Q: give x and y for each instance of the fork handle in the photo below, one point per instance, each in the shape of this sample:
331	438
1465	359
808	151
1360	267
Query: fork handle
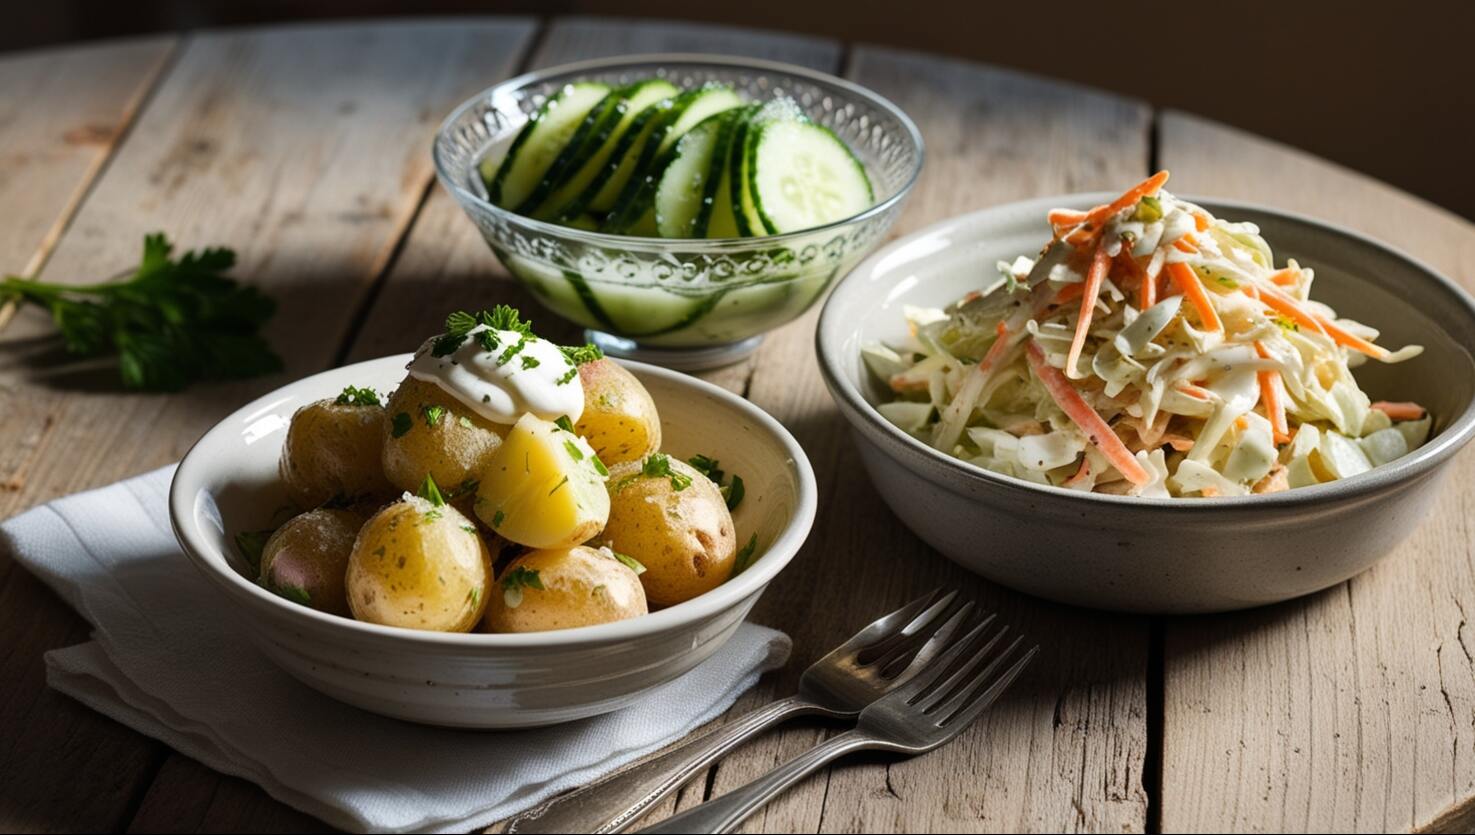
725	813
615	802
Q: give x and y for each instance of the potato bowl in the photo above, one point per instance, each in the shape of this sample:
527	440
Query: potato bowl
228	483
1158	555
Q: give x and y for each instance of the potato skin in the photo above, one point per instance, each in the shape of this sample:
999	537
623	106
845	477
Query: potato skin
582	586
684	538
419	566
620	419
306	559
332	453
457	448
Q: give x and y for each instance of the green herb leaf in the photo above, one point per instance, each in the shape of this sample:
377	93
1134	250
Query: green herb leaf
564	423
600	468
573	372
171	322
580	354
488	341
432	414
707	467
430	492
400	424
530	363
745	557
251	544
355	396
296	594
629	561
498	519
515	580
465	488
573	450
506	318
734	492
658	465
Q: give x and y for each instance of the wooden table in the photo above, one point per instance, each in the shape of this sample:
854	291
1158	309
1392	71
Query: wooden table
307	149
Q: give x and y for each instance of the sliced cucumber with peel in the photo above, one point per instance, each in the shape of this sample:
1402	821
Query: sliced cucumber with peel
800	175
683	200
540	142
576	189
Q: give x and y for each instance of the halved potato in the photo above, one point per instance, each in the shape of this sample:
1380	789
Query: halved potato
544	488
620	419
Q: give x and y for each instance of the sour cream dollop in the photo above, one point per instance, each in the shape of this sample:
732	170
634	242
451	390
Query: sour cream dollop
508	382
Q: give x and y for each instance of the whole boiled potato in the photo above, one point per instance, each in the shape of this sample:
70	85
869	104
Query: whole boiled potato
563	588
619	417
543	487
419	565
674	521
429	432
305	559
332	454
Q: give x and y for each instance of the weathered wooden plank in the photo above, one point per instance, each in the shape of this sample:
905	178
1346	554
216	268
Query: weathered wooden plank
1064	750
303	148
189	797
49	156
446	266
1353	709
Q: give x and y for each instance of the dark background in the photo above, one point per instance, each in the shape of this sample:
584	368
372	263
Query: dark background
1387	89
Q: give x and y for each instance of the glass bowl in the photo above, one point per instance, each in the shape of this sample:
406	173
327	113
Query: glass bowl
681	303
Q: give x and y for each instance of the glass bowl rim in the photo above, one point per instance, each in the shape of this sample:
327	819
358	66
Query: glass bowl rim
610	240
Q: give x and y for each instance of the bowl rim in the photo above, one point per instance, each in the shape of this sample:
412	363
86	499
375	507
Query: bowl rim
900	445
196	467
609	240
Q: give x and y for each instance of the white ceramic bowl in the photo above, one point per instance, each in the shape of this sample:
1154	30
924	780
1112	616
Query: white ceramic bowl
228	483
1158	555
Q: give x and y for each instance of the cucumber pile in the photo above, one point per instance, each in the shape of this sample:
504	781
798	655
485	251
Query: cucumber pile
652	160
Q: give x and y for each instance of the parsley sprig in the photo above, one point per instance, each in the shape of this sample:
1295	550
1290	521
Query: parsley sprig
460	324
171	322
658	465
732	492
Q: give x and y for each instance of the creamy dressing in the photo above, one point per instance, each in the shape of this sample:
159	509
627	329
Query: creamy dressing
504	384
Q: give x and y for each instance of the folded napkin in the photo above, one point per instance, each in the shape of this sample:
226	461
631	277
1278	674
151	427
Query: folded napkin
166	660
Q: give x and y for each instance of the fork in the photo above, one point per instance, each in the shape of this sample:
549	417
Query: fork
926	713
878	659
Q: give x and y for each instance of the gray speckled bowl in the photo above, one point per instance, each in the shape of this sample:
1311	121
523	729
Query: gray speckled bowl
1158	555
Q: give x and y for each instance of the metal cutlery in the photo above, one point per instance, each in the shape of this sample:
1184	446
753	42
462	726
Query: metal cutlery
875	661
926	713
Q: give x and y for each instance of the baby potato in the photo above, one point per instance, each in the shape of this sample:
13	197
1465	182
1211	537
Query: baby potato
544	488
563	588
674	521
619	417
429	432
305	560
419	565
332	453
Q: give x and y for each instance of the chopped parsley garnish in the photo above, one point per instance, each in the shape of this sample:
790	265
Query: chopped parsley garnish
658	465
515	580
170	323
474	594
732	492
744	557
629	561
707	467
432	414
564	423
464	421
458	325
573	372
573	450
430	492
580	354
498	518
355	396
558	486
529	363
488	341
469	528
251	544
506	318
465	488
599	467
400	424
1227	282
431	516
296	594
1286	323
513	350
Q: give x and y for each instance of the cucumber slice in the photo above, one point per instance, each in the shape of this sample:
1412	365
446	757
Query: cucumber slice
539	143
584	143
576	188
723	222
635	203
801	175
689	181
607	188
744	213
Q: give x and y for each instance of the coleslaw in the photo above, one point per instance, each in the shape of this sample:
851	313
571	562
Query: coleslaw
1150	349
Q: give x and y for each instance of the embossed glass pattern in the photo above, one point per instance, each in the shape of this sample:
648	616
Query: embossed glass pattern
668	293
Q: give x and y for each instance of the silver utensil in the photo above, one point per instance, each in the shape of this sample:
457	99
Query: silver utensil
928	712
878	659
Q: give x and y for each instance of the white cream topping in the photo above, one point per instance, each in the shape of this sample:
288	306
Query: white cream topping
507	382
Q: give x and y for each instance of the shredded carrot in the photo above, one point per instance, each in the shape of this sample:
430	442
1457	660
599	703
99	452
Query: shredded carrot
899	383
1091	289
997	350
1066	217
1272	395
1286	277
1200	221
1193	289
1129	198
1180	443
1282	303
1070	291
1195	391
1133	269
1084	416
1401	411
1184	244
1081	474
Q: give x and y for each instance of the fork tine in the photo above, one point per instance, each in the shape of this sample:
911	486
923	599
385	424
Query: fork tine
906	653
928	676
889	624
885	644
961	684
983	700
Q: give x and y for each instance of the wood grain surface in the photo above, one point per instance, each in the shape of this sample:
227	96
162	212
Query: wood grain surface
305	148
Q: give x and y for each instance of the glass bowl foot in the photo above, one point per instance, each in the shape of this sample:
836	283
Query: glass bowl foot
699	358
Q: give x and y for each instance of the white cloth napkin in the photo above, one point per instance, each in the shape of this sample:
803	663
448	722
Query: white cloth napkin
167	661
